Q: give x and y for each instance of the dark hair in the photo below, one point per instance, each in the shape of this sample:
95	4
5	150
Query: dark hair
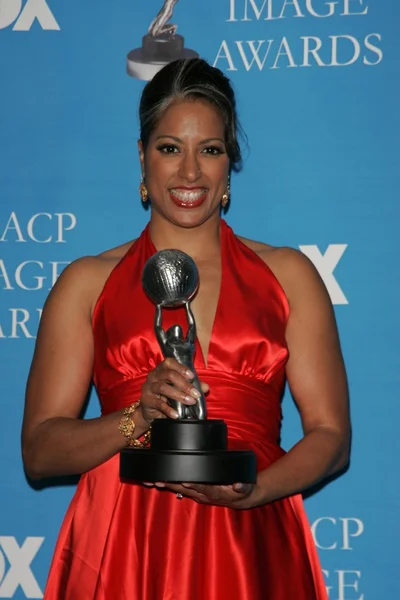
191	79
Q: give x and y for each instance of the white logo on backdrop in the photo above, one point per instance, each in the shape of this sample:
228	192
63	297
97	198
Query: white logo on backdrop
161	44
11	11
56	226
325	264
343	584
19	572
318	50
31	275
340	534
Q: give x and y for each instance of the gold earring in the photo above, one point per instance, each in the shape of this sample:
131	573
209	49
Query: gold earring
226	196
143	191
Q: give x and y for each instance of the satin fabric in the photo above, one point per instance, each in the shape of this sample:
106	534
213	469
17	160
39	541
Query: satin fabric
122	541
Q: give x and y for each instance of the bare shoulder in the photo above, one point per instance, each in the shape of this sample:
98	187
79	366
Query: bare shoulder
85	277
294	271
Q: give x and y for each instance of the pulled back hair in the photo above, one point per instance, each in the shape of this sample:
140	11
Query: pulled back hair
192	79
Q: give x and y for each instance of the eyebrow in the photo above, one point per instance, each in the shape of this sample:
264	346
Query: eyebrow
176	139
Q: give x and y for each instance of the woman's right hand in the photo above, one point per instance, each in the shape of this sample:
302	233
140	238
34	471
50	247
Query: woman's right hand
168	381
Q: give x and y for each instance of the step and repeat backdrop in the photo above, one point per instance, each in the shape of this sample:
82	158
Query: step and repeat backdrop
318	92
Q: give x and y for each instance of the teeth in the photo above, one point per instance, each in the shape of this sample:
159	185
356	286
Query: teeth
186	196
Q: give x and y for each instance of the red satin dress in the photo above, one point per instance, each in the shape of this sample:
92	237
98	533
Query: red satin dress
122	541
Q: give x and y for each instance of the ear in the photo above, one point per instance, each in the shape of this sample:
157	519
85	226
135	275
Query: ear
141	156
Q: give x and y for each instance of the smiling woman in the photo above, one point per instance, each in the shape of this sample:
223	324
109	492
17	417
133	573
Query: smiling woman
185	164
263	316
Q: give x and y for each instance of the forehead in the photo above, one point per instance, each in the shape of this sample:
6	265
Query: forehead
191	117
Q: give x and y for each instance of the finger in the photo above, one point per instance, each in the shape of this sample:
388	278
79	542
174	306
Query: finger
204	490
204	387
213	493
178	488
176	379
172	364
164	415
157	407
242	488
198	487
162	388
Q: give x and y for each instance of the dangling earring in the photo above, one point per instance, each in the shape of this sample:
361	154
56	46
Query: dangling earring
225	197
143	191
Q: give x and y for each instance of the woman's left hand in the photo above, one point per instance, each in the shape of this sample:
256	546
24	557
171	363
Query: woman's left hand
238	495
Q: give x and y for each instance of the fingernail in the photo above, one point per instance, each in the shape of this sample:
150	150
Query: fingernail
189	400
195	393
160	485
189	373
174	414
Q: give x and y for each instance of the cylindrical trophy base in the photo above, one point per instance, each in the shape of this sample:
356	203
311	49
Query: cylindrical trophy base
214	467
189	434
139	67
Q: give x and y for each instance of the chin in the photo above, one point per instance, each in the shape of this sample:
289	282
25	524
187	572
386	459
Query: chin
189	217
189	221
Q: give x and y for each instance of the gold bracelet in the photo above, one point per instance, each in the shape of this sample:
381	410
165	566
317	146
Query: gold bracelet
127	427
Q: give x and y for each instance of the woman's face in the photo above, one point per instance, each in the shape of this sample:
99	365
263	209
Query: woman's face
185	165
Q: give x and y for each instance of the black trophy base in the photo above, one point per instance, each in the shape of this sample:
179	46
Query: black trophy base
163	47
156	52
218	468
188	451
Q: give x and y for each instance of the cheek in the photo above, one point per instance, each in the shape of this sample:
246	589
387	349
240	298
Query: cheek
159	167
222	175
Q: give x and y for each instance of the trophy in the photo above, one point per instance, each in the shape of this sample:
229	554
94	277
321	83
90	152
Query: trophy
160	46
191	448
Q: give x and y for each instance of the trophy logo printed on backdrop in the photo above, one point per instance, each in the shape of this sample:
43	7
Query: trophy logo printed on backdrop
160	46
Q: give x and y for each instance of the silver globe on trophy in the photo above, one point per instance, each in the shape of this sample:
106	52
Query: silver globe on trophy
160	46
191	448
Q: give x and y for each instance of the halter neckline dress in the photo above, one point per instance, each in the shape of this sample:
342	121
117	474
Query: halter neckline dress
122	541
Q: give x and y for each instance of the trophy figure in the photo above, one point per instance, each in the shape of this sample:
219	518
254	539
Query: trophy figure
190	448
160	24
175	345
160	46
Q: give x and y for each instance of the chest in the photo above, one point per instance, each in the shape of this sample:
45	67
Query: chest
205	303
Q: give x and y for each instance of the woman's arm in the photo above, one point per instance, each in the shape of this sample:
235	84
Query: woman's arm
54	440
317	380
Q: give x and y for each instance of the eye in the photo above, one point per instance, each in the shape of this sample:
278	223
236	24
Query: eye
213	150
168	149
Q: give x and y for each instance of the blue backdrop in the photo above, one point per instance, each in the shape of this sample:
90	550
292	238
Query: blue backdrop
317	86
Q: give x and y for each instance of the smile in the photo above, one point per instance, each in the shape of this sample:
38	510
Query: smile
188	198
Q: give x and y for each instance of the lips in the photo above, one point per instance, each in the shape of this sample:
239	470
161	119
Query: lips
188	198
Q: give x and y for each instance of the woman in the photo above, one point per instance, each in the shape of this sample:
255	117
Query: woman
263	316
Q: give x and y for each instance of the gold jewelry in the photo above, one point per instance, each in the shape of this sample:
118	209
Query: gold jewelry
143	191
127	427
225	197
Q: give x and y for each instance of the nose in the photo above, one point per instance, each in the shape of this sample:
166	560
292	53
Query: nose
189	168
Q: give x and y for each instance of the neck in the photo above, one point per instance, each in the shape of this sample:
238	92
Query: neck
199	242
